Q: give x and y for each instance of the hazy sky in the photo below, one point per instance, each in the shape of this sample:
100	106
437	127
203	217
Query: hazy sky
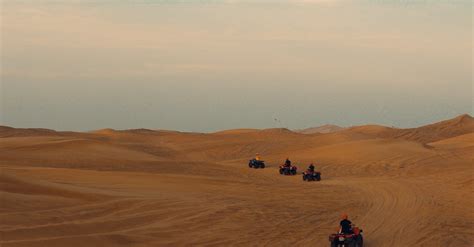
211	65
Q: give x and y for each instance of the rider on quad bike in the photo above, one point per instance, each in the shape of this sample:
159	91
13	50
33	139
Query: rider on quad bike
345	224
287	162
348	235
311	167
311	175
256	162
287	168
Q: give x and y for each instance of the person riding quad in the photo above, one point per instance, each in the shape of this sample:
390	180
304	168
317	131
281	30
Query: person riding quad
345	224
311	167
287	162
257	156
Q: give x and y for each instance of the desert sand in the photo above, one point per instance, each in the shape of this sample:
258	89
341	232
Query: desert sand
403	187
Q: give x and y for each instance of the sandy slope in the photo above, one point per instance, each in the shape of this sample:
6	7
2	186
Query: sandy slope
409	187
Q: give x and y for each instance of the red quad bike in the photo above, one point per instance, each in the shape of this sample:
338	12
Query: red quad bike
288	170
309	175
354	239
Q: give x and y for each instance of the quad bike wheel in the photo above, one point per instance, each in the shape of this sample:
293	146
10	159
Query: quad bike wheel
359	241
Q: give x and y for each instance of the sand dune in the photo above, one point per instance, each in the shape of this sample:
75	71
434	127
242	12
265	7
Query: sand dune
463	124
404	187
236	131
324	129
434	132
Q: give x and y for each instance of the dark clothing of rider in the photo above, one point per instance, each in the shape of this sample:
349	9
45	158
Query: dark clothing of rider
346	226
287	163
311	168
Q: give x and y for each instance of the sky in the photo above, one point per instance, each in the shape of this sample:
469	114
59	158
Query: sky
211	65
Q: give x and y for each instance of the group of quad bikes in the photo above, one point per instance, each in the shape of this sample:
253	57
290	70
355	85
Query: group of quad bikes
288	169
351	239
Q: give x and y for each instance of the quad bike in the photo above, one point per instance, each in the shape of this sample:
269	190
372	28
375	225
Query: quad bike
253	163
353	239
288	170
310	175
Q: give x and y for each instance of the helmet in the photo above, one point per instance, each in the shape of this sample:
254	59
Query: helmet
344	216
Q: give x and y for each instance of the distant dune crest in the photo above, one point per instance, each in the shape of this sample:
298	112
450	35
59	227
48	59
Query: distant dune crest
460	125
323	129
